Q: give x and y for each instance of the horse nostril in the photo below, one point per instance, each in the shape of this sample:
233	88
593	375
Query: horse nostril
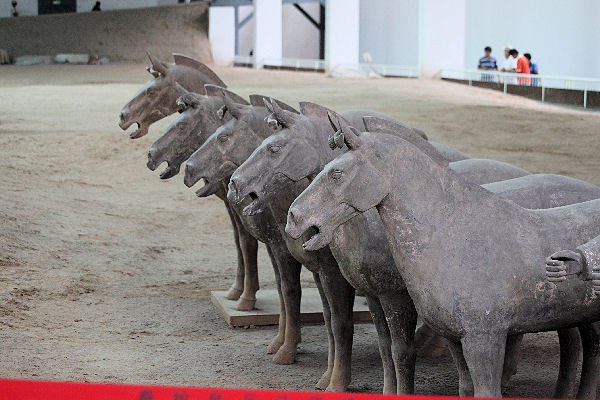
149	155
124	115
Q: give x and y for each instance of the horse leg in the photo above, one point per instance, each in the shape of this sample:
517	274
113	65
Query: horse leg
511	358
465	383
249	247
289	271
570	350
238	286
484	354
590	340
401	317
324	381
278	340
340	296
385	345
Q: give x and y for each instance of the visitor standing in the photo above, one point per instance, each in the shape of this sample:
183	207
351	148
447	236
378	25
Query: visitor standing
488	63
533	70
509	64
522	66
97	7
13	9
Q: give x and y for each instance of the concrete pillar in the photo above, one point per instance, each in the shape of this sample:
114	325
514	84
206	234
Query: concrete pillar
442	36
341	32
267	30
221	33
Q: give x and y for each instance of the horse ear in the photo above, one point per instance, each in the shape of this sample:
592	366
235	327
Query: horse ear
257	101
284	117
268	105
233	108
375	124
151	71
186	61
186	98
157	65
214	90
336	140
351	137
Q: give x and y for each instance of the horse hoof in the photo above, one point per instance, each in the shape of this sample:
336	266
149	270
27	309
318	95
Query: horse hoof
284	356
234	294
336	386
324	381
276	343
246	304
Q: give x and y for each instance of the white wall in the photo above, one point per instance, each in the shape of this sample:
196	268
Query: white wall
222	40
342	32
300	36
389	31
563	37
442	35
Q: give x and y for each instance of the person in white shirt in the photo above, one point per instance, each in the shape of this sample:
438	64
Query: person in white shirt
509	64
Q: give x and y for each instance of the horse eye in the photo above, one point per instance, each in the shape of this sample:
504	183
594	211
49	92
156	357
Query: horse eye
223	138
274	148
150	91
181	126
337	174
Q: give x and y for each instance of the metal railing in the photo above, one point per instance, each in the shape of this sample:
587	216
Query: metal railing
295	63
408	71
509	78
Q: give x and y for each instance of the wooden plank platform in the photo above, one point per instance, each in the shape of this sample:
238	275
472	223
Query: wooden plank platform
266	311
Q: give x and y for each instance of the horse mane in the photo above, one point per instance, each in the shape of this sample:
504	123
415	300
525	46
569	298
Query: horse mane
189	62
257	101
376	124
215	90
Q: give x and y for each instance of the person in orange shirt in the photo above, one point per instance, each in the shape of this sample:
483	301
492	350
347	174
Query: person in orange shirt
522	66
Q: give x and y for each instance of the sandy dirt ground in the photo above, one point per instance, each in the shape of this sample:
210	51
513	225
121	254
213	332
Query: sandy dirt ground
105	270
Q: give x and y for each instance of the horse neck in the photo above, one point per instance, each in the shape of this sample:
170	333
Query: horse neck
209	120
428	204
318	136
259	126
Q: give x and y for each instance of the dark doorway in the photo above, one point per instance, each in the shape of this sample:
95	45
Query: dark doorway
56	6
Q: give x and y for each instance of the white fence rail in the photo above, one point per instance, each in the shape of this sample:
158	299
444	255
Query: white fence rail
407	71
320	65
509	78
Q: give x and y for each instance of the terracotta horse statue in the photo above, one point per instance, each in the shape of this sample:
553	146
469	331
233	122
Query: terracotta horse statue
156	99
371	256
177	143
471	260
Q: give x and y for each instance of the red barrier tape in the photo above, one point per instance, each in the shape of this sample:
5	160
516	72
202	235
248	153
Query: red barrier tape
11	389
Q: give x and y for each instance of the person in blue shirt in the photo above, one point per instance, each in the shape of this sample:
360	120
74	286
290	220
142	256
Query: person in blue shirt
488	63
533	70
